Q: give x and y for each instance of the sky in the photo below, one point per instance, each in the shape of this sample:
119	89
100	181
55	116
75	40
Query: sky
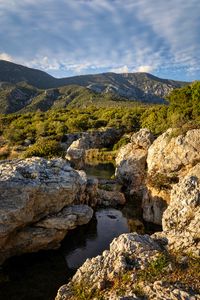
75	37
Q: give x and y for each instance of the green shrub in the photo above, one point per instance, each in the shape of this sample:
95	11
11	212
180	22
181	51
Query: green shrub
122	142
44	148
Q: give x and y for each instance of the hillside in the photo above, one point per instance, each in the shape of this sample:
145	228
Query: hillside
23	98
142	87
133	86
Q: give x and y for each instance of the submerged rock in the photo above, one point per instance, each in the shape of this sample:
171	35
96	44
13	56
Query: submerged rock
31	190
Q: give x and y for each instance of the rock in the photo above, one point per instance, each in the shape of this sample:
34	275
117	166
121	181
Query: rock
68	218
140	258
160	290
170	154
69	138
154	203
120	273
91	192
131	161
110	198
76	153
127	252
47	233
91	140
143	138
31	190
169	158
182	217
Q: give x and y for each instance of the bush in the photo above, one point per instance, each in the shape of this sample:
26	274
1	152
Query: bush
44	148
122	142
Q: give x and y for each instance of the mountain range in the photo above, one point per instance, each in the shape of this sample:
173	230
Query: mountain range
26	89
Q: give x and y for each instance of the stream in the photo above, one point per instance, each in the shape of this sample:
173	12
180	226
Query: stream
38	276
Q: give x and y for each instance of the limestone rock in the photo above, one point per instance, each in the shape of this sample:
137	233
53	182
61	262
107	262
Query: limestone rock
127	252
160	290
169	158
181	219
133	253
31	190
91	192
110	198
143	138
47	233
171	154
68	218
154	203
131	161
76	153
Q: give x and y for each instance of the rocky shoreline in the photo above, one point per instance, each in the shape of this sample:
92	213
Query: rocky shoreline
41	200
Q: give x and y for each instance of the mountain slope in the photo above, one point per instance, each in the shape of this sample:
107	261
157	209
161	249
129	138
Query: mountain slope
133	86
15	97
14	73
138	86
23	98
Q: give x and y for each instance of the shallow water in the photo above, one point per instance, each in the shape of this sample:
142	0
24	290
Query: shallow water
38	276
100	170
94	238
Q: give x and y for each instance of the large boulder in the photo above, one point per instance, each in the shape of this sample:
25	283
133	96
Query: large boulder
32	190
170	157
47	233
131	161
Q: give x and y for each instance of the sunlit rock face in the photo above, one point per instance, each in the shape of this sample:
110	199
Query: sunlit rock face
34	197
131	161
169	158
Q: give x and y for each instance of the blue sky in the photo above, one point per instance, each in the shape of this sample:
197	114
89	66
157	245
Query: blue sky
73	37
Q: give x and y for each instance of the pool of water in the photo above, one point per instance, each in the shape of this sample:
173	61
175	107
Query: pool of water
100	170
91	240
38	276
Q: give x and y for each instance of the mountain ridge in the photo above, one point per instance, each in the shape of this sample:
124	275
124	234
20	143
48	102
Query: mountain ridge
142	87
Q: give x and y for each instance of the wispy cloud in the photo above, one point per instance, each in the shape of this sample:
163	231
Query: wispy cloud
67	37
5	56
147	69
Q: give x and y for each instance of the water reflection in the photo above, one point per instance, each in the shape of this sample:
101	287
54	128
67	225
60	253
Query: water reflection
100	170
83	243
34	276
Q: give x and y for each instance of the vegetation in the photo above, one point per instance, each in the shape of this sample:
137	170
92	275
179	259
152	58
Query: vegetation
82	291
182	113
167	267
162	181
45	148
